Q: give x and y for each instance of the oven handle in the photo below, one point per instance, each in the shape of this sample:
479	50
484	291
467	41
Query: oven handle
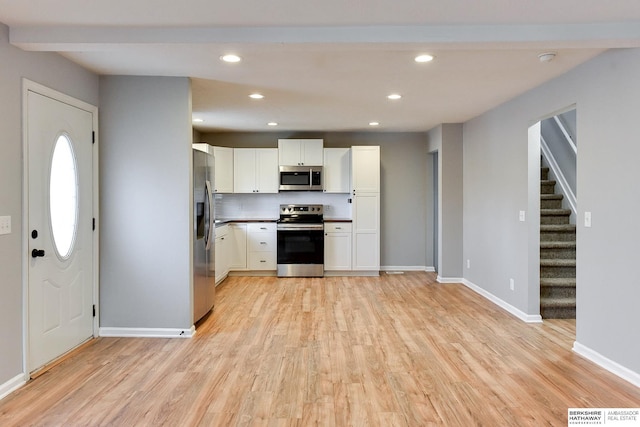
301	227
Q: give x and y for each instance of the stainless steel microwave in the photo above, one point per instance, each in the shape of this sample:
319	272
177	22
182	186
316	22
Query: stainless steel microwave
300	178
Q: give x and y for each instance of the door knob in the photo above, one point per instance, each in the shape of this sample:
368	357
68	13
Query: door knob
37	253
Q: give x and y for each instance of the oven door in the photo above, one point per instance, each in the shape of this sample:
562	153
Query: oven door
300	250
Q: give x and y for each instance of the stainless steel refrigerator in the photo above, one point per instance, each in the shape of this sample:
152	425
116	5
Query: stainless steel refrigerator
204	288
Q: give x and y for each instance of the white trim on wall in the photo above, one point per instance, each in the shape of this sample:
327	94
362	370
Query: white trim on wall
608	364
441	279
560	178
405	268
528	318
148	332
12	385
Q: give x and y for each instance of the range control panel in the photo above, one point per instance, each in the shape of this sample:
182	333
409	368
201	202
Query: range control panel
301	210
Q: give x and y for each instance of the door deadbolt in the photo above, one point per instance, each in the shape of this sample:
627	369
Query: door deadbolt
36	253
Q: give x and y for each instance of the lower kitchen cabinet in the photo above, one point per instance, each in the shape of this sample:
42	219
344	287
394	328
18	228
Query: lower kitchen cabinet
238	239
337	246
366	232
222	253
261	246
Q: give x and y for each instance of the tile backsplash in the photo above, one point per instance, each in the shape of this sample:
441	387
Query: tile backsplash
266	206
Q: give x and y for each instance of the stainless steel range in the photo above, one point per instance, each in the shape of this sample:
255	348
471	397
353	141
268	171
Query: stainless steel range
301	241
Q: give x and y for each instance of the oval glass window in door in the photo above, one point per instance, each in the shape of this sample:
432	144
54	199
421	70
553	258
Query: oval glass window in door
63	197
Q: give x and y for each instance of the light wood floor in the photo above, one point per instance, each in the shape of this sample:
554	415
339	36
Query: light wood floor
390	351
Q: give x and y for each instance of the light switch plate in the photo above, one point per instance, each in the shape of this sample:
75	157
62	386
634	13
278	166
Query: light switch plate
5	225
587	219
522	216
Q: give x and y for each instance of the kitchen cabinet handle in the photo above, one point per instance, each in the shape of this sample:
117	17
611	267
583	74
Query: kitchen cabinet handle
338	228
262	260
263	228
263	243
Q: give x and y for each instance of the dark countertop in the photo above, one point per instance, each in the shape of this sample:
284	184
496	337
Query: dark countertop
220	222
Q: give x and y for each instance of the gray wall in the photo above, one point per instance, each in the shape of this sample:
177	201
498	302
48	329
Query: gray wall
145	173
56	72
404	181
561	151
446	139
606	91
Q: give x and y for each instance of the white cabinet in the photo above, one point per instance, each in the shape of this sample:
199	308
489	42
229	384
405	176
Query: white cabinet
261	246
337	246
222	253
255	170
337	170
252	246
365	168
223	170
365	178
300	152
366	231
238	246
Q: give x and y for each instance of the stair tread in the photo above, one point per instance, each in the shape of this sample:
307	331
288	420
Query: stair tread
554	212
555	244
564	282
552	196
548	181
557	227
557	302
557	262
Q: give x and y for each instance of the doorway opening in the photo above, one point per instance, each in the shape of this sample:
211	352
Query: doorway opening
555	165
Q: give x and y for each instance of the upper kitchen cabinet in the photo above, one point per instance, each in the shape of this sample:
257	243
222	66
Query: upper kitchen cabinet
255	170
365	169
337	170
300	152
224	169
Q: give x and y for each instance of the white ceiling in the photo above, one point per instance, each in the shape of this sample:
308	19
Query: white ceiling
330	65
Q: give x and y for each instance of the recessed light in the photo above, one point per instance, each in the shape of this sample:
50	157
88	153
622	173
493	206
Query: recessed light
424	58
374	124
394	96
272	124
197	120
231	58
547	56
256	96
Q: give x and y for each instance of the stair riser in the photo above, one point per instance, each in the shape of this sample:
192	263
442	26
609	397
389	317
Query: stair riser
558	253
554	219
551	272
544	174
557	236
551	204
558	313
547	188
557	292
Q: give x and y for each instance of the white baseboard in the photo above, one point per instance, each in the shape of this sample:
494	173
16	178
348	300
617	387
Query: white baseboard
12	385
441	279
404	268
350	273
529	318
608	364
148	332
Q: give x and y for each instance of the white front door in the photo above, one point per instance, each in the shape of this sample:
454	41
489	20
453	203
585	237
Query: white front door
60	249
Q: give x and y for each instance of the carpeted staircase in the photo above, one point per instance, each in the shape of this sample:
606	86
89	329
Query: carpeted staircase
557	254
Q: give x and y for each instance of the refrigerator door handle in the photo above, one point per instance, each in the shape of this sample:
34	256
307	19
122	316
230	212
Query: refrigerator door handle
209	218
